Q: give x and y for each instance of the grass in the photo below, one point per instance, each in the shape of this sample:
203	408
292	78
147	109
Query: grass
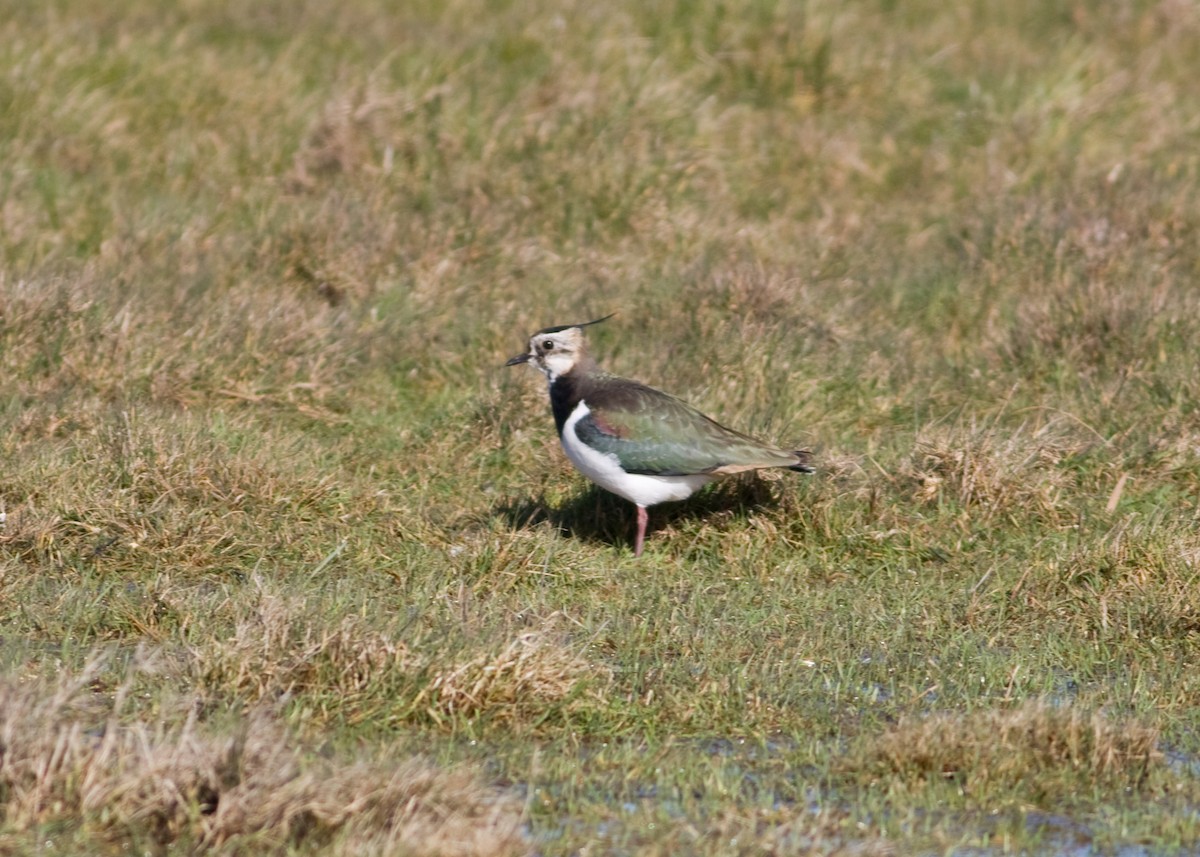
241	788
292	564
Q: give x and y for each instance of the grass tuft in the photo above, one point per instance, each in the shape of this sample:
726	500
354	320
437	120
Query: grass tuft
1035	749
69	754
988	473
531	674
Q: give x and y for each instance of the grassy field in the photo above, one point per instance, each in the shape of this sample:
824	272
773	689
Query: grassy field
291	564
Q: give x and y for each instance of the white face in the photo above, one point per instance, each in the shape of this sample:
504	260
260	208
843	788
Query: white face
556	353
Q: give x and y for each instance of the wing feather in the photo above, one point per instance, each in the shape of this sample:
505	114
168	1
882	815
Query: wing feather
653	433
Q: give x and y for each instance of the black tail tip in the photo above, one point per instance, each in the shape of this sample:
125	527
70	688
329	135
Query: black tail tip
804	465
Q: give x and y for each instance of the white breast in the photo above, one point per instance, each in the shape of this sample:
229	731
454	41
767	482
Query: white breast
605	470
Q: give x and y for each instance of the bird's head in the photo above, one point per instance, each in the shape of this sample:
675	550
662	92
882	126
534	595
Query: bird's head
556	350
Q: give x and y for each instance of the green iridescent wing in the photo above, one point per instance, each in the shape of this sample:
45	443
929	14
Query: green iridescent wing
653	433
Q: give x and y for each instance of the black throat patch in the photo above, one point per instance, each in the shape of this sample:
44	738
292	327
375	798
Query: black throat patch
564	396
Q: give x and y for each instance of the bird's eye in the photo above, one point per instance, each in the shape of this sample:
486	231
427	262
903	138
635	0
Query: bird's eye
548	345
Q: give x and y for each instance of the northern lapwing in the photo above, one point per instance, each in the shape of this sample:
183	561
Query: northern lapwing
635	441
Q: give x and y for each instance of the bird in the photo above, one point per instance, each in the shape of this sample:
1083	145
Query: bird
638	442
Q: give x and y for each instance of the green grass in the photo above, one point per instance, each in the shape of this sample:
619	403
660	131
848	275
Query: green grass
292	564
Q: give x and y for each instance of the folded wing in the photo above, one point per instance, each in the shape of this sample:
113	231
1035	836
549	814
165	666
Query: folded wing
653	433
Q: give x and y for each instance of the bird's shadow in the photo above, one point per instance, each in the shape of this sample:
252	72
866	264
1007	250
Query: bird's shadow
596	516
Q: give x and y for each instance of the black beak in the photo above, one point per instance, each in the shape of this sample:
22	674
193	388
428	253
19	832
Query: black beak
520	358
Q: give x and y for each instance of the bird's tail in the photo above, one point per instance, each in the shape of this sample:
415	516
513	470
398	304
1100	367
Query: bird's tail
804	464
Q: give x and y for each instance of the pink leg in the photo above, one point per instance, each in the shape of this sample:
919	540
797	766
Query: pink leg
641	533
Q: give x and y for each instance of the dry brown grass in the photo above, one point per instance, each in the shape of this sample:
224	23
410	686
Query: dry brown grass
532	671
67	754
280	649
990	472
1035	743
279	347
277	649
